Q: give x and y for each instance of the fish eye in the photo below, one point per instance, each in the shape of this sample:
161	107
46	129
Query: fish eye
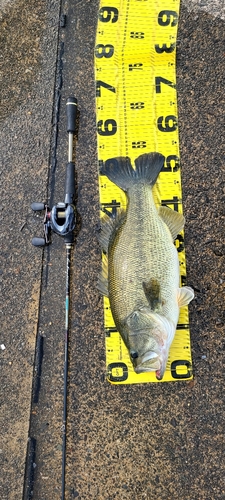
134	354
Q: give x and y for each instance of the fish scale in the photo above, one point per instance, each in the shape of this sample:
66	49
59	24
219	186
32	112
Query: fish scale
146	260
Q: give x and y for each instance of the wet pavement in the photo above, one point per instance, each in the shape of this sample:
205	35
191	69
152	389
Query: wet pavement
159	441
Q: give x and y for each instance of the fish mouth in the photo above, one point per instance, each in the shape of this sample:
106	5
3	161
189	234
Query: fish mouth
150	362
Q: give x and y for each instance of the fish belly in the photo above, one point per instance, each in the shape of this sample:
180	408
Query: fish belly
142	250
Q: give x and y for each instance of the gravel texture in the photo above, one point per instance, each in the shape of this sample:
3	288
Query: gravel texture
158	441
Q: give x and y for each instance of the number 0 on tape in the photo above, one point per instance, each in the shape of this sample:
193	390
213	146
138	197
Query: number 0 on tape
136	107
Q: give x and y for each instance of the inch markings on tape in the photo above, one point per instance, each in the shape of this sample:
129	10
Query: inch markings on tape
136	104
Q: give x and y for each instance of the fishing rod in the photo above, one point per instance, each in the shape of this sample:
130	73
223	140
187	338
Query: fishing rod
61	219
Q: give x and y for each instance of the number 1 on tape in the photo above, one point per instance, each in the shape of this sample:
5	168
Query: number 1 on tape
136	107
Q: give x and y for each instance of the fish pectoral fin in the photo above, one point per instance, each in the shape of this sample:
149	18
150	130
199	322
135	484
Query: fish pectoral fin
108	226
185	295
174	220
152	293
102	284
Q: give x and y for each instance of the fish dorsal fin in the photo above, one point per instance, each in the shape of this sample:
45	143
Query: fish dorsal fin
174	220
152	293
102	285
108	226
185	295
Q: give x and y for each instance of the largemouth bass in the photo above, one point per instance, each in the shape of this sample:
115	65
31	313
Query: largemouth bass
142	275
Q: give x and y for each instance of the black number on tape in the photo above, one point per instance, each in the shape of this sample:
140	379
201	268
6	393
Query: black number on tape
117	367
113	206
168	18
137	34
107	127
183	280
104	51
180	241
105	85
159	80
110	330
174	202
139	144
172	164
135	66
107	14
137	105
183	326
164	48
167	123
181	363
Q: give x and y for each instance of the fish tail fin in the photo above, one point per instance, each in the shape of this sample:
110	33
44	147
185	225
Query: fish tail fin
148	167
120	171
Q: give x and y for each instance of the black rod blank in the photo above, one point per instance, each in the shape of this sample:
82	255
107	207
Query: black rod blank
67	309
71	106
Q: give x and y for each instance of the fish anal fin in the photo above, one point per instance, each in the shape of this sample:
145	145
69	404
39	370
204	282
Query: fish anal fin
185	295
152	293
174	220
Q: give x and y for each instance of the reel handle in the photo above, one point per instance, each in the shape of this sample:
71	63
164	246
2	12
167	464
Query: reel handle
38	242
38	207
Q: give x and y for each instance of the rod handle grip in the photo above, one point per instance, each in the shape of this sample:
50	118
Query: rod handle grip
70	183
71	109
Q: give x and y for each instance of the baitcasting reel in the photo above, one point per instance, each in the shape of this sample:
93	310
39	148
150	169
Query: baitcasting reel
61	219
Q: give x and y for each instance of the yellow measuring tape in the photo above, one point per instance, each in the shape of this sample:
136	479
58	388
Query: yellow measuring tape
137	113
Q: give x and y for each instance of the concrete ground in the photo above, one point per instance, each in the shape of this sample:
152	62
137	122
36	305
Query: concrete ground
154	442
